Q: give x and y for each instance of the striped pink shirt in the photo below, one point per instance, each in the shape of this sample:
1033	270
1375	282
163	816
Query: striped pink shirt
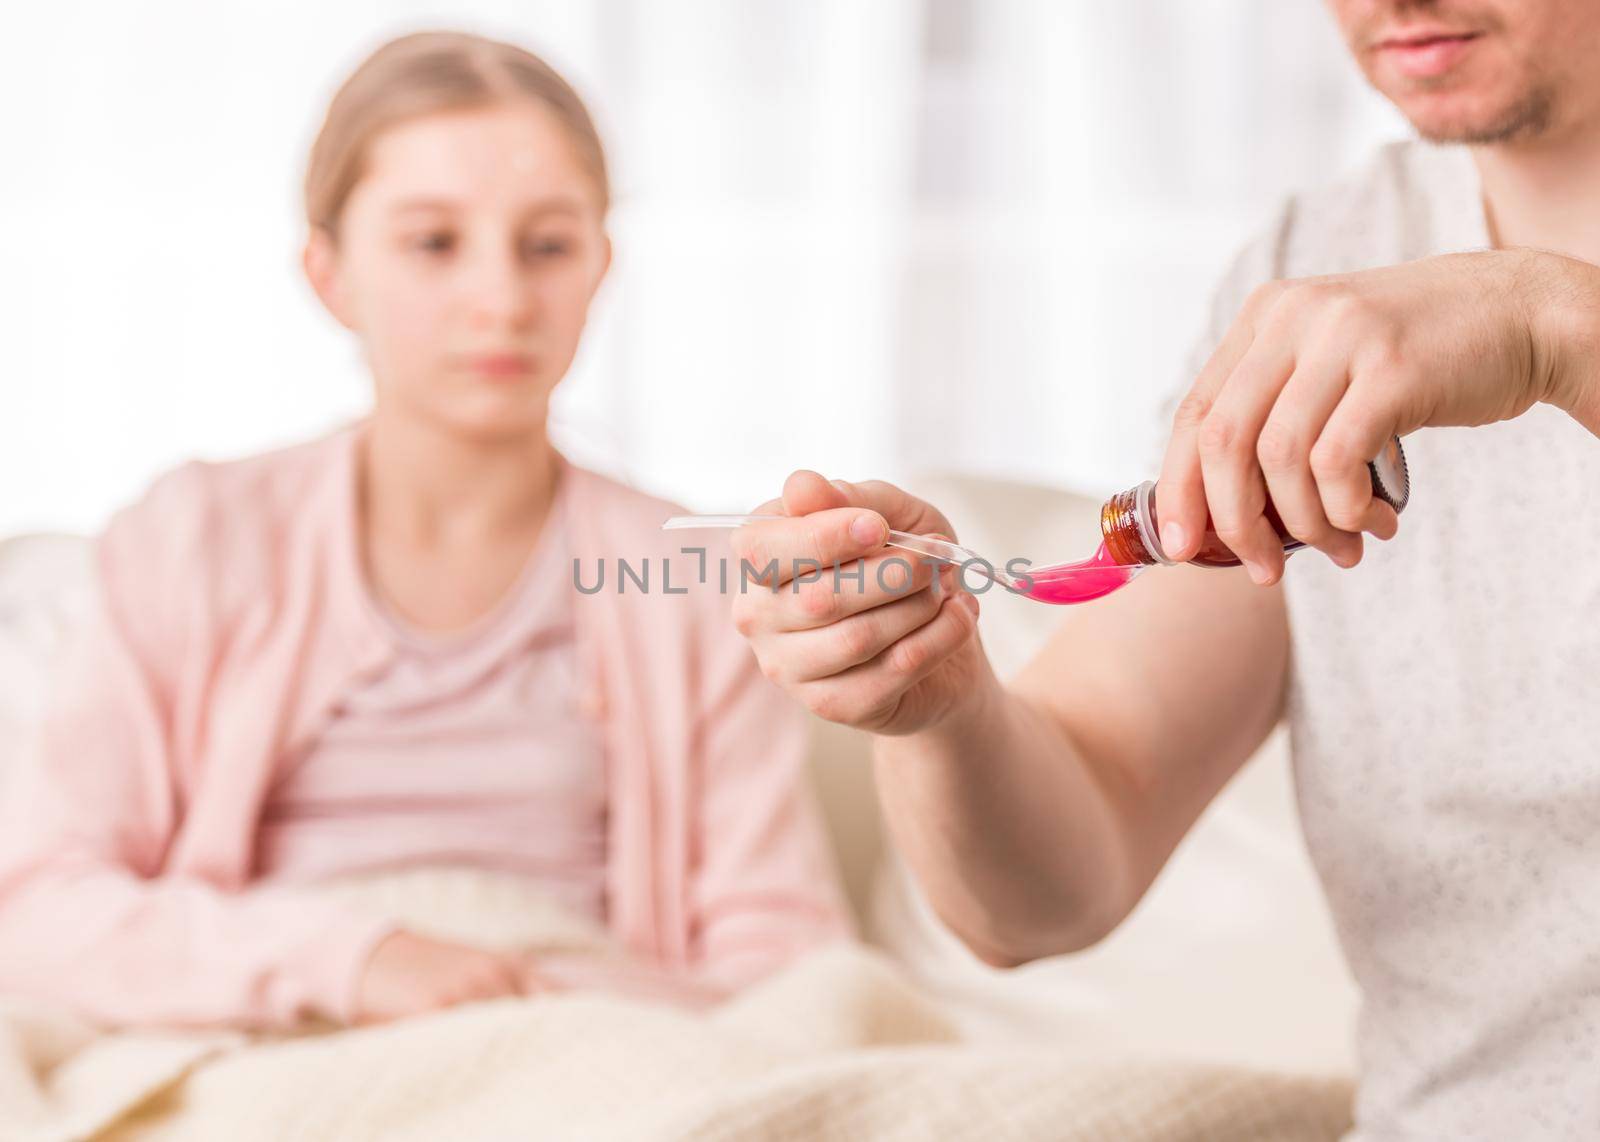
466	748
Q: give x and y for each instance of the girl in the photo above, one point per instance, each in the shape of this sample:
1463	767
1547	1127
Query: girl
366	652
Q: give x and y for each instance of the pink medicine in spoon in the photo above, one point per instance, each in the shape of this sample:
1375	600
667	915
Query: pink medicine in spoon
1093	578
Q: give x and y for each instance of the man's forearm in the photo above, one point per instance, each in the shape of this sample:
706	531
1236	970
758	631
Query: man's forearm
1011	833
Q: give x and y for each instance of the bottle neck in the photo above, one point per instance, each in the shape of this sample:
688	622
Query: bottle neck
1129	528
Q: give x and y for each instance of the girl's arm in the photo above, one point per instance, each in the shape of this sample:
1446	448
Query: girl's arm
86	820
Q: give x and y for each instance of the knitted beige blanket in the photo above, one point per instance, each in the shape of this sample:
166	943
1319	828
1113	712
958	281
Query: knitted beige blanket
839	1046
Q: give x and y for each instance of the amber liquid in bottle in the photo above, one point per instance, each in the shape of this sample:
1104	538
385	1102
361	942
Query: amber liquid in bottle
1131	531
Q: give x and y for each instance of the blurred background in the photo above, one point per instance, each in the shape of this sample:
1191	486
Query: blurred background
870	238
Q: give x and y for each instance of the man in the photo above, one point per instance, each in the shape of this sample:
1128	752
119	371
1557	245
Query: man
1442	695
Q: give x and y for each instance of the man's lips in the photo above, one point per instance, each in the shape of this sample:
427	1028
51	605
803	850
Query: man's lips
1426	53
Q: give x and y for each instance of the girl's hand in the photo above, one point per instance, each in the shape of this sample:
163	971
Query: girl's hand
409	974
1315	375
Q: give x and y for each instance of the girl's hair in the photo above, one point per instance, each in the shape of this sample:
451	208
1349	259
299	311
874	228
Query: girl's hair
425	73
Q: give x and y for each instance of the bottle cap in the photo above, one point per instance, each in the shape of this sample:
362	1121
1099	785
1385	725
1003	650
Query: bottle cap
1144	515
1391	478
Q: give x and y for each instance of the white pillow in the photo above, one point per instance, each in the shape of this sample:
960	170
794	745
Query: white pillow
44	590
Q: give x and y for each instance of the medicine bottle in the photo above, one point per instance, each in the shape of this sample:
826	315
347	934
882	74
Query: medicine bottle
1131	530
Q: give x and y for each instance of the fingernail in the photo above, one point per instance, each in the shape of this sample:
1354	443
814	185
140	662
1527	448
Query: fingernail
867	529
970	601
1258	572
1172	537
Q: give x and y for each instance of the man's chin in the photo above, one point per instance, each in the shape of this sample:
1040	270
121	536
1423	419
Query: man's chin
1453	119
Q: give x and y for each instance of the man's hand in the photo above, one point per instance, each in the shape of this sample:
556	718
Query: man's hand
409	974
1315	375
885	650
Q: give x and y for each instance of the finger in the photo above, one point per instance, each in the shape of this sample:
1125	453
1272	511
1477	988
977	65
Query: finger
1354	434
1235	490
821	597
368	1016
778	550
869	694
516	974
902	510
530	981
806	491
491	980
1180	490
465	991
1283	451
808	655
497	976
770	507
1381	520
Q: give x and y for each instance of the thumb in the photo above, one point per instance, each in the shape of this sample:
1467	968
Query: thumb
806	491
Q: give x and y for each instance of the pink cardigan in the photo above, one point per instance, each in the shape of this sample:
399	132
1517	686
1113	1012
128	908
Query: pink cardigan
229	616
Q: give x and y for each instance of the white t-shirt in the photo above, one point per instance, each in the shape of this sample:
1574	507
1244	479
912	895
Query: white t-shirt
1444	710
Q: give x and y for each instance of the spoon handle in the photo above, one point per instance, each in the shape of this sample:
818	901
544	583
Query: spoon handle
938	549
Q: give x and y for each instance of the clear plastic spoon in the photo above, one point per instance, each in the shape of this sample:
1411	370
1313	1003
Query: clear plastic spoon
1058	583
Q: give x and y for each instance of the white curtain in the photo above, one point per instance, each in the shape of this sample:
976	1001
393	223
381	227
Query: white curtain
870	238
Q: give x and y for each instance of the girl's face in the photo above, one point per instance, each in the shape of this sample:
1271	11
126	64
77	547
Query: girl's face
467	257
